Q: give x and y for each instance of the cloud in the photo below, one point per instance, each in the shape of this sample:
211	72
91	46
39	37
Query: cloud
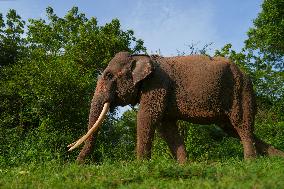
168	26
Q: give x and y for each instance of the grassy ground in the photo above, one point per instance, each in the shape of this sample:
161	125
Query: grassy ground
233	173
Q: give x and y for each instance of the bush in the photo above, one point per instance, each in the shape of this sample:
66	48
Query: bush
45	95
117	139
43	102
272	133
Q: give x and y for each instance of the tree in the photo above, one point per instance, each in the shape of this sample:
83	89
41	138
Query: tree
267	35
45	97
11	41
263	57
266	42
80	39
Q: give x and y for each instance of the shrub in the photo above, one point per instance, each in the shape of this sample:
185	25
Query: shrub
45	95
272	133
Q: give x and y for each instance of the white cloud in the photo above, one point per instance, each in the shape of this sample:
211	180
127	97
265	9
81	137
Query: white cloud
165	26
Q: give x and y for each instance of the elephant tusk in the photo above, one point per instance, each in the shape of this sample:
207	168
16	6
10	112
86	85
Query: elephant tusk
92	130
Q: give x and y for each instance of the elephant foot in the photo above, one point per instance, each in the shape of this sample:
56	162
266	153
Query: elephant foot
180	154
249	150
82	156
250	154
182	160
80	160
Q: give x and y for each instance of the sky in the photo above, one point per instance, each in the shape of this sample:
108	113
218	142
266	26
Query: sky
166	26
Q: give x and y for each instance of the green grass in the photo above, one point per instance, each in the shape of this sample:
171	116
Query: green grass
233	173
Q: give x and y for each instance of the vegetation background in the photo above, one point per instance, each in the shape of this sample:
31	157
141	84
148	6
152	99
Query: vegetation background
48	71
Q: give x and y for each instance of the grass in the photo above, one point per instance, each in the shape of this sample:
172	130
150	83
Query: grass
232	173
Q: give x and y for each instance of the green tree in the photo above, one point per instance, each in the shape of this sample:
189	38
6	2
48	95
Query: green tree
263	58
267	34
266	40
45	97
79	39
11	41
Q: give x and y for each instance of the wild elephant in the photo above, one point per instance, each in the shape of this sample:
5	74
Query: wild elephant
198	89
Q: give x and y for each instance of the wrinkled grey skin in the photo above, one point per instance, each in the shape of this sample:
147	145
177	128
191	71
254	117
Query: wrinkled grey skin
198	89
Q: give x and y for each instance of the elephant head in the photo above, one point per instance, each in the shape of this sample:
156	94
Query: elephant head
117	86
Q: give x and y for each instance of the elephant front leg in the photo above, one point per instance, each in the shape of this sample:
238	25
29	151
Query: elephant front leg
145	136
150	114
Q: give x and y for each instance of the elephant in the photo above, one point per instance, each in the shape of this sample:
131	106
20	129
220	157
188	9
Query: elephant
197	88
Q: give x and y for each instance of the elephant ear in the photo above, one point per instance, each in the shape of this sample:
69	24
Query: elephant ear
141	68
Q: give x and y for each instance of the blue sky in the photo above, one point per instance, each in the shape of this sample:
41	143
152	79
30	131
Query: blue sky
165	25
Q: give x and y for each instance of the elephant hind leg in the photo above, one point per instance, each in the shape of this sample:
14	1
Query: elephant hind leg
244	133
242	115
169	132
248	142
242	121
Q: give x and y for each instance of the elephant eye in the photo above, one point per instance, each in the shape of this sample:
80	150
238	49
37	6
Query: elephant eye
109	75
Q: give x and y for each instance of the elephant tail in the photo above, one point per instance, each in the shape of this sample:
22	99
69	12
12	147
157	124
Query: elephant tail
264	148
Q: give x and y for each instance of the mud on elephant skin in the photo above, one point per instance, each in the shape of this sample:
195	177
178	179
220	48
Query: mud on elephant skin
198	89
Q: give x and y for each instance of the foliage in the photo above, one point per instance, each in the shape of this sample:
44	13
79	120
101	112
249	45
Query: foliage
48	100
80	39
194	49
267	35
272	133
116	139
45	95
11	41
265	40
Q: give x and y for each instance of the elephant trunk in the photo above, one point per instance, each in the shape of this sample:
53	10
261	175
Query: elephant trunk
94	122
